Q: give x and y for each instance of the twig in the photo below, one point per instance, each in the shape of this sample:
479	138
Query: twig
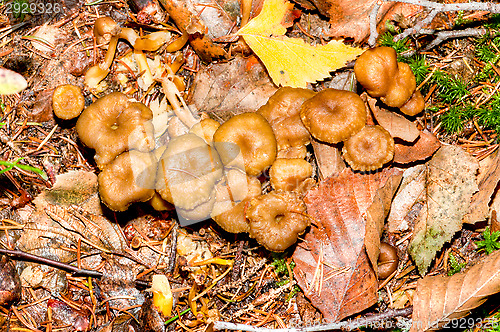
435	8
49	262
347	325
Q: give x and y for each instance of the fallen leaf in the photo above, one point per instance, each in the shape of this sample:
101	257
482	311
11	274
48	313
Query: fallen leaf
450	182
411	192
396	124
229	88
421	149
480	204
332	266
291	61
328	158
440	301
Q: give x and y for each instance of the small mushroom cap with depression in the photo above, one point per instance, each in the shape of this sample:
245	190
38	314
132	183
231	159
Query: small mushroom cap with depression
67	101
127	179
113	124
282	111
333	115
251	135
187	173
369	149
277	219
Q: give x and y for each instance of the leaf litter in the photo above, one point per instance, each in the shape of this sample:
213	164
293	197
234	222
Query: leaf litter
57	224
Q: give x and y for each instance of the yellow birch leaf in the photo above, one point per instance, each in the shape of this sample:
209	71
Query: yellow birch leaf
271	19
291	61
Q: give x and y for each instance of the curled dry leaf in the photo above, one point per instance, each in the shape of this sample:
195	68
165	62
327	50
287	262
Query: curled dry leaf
449	184
203	21
421	149
396	124
480	204
440	299
332	266
229	88
328	158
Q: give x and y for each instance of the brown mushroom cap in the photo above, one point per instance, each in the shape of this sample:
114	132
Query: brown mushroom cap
375	70
232	200
67	101
414	105
187	173
333	115
277	219
105	28
282	111
250	134
387	260
369	149
127	179
290	174
402	87
113	124
205	129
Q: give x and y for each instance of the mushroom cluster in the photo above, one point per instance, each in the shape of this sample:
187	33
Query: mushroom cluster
121	133
379	72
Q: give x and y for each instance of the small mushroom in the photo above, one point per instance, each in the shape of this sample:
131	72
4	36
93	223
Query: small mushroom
369	149
276	219
187	173
291	175
414	105
379	72
251	135
205	129
375	70
127	179
113	124
387	260
333	115
282	111
67	101
232	200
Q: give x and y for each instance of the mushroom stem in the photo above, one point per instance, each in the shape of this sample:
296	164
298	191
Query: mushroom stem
173	95
142	62
178	43
110	53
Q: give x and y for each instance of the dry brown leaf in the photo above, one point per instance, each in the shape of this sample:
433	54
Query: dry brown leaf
421	149
396	124
480	203
410	194
332	266
449	184
441	300
233	87
328	158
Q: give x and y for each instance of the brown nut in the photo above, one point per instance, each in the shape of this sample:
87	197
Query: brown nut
333	115
67	101
277	219
282	111
369	149
250	134
387	260
127	179
113	124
